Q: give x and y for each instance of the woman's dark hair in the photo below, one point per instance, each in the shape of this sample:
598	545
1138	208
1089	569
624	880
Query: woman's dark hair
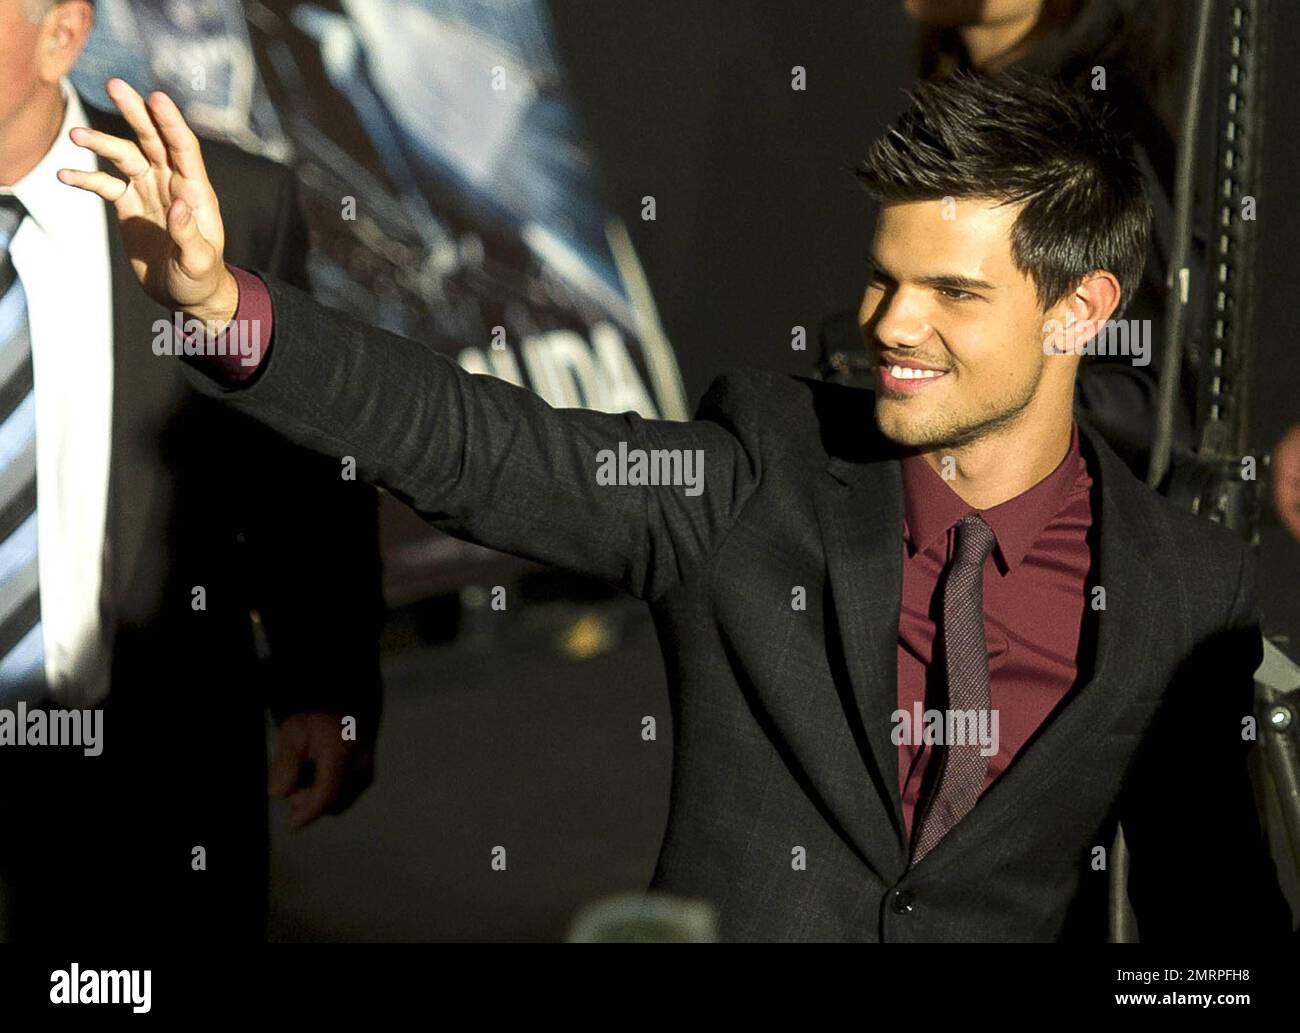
1024	139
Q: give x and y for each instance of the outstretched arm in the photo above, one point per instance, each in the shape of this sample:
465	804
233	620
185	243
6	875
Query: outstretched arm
478	457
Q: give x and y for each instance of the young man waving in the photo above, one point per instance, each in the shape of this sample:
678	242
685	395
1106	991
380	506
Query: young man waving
925	648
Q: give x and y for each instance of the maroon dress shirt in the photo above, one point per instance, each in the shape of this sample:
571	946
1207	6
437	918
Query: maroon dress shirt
1034	604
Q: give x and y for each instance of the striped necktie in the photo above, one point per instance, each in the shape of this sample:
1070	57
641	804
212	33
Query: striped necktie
22	650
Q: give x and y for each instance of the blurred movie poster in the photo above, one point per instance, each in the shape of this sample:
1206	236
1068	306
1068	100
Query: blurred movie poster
449	188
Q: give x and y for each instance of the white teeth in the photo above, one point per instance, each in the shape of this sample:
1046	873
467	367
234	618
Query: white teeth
905	373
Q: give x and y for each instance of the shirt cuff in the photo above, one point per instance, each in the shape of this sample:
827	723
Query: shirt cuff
235	355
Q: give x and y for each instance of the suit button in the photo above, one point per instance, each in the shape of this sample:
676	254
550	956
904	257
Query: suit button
903	901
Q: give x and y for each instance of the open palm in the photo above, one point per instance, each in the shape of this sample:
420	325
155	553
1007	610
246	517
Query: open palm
169	215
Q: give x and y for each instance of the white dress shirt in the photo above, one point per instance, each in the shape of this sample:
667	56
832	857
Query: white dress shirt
62	257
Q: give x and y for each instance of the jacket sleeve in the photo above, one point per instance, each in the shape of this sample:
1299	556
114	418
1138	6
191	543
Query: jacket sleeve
314	543
1200	865
494	464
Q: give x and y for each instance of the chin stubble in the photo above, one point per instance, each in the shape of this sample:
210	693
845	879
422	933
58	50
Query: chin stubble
958	437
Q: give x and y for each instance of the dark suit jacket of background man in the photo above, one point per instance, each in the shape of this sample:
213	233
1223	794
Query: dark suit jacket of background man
200	496
781	717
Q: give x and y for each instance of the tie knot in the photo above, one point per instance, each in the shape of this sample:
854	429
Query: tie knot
975	540
11	214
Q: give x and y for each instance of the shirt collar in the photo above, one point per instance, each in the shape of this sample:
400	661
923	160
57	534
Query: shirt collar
49	203
931	507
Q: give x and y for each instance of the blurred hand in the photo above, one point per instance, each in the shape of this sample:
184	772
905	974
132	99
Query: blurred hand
1286	480
316	769
169	215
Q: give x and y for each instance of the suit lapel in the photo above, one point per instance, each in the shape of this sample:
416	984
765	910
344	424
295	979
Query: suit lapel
860	511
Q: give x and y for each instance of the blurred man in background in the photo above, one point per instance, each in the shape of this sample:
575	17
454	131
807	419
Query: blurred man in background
134	580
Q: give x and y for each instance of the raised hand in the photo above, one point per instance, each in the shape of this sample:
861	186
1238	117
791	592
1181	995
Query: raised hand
169	215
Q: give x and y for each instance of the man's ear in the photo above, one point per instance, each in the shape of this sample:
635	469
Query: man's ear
64	31
1085	311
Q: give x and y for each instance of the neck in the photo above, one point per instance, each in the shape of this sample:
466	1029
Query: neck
993	47
1006	462
29	135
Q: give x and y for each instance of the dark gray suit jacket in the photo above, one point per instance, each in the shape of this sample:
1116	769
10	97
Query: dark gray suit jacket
782	716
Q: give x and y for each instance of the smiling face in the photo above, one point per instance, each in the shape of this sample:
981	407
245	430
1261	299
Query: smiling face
955	328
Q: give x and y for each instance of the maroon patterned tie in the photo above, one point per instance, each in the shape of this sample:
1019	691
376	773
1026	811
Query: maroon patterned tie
963	767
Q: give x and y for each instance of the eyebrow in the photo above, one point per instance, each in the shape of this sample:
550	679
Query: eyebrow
952	281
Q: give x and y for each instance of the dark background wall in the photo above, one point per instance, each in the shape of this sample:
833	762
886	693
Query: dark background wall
760	227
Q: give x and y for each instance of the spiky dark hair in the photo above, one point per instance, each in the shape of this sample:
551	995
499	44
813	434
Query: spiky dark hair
1026	139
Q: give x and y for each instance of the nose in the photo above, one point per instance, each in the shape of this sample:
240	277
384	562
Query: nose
896	319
